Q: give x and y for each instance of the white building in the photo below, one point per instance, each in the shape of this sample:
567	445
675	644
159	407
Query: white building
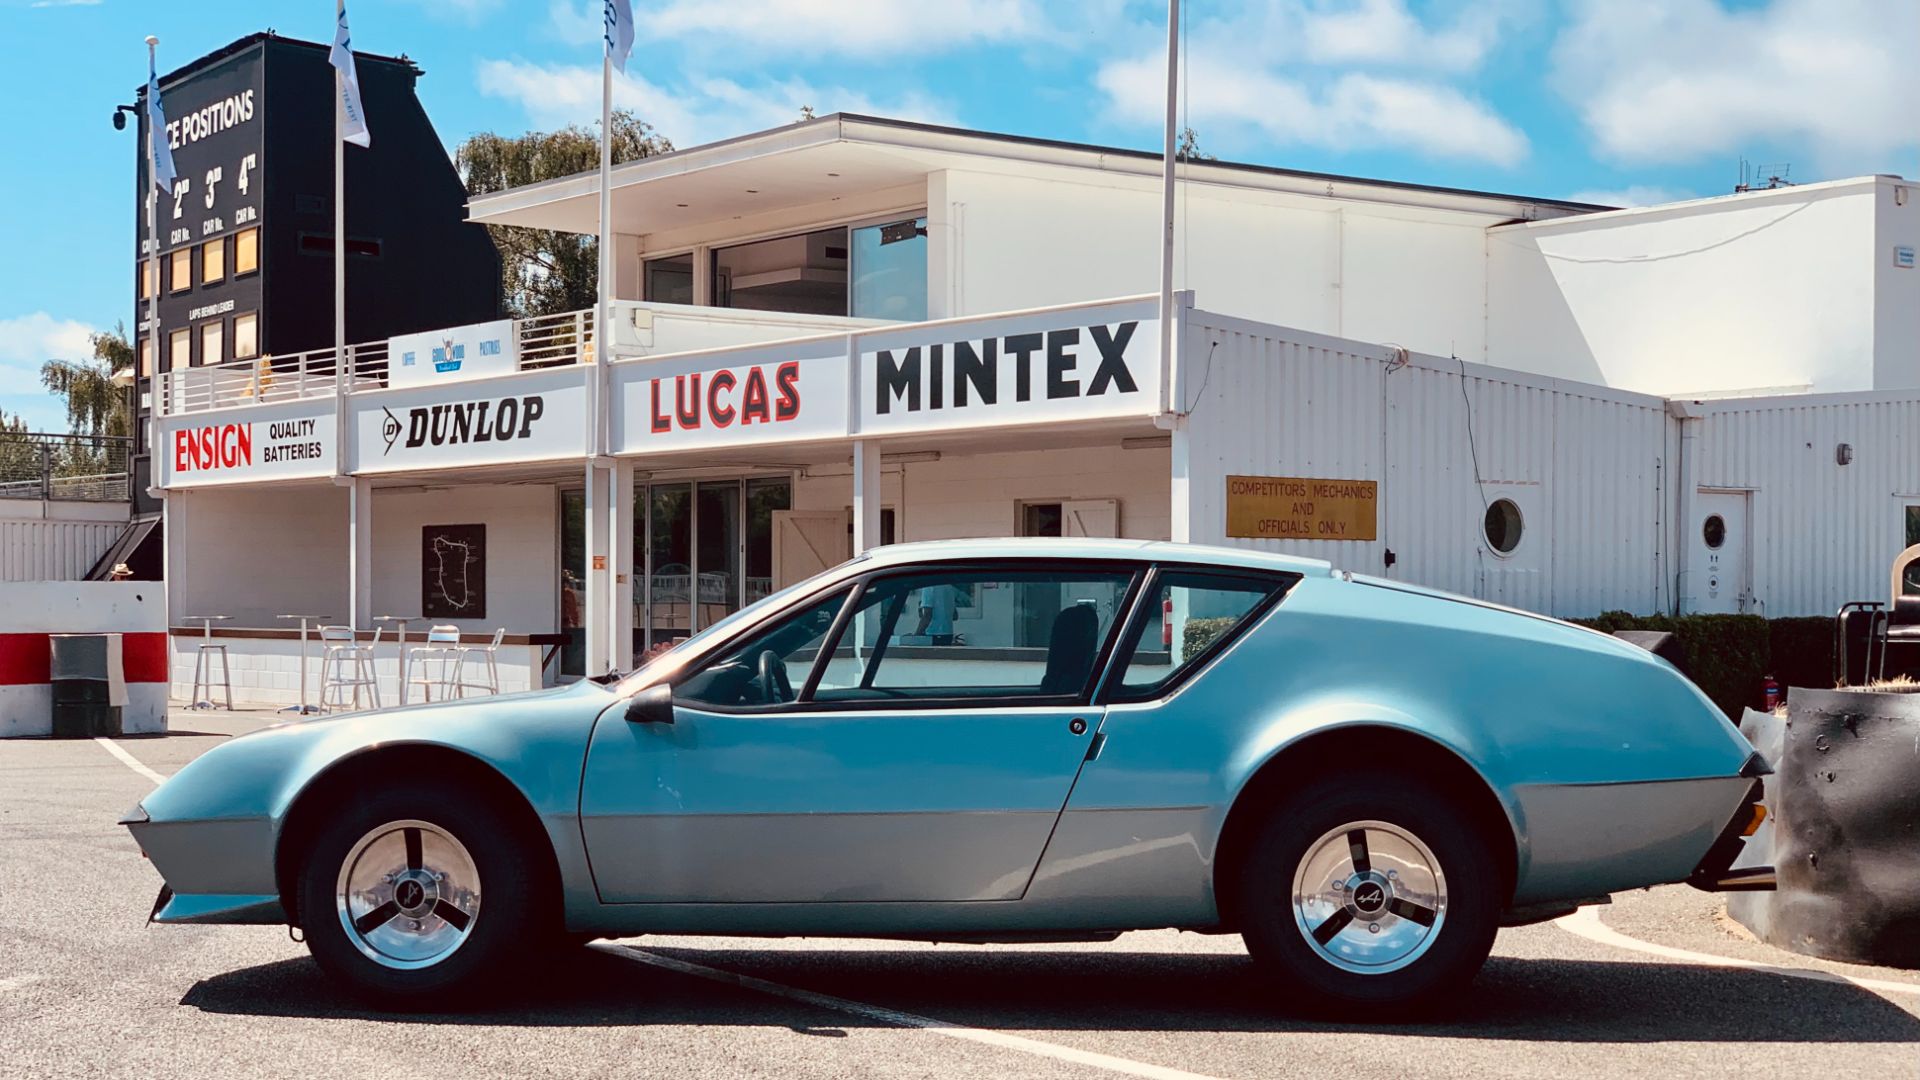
851	331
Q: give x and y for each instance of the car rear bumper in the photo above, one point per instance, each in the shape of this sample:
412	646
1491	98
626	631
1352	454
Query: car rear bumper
228	908
1715	873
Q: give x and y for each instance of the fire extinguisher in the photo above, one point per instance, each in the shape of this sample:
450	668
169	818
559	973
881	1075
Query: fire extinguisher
1166	623
1772	688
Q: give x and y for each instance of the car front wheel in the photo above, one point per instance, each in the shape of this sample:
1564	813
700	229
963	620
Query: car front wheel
415	896
1370	894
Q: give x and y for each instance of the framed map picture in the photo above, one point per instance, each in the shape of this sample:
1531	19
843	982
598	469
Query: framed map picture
453	571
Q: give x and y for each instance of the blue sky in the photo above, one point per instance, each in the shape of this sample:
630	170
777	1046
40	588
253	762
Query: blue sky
1608	100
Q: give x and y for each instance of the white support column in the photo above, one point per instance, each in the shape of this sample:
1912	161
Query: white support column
866	495
595	585
1180	489
620	613
174	523
360	553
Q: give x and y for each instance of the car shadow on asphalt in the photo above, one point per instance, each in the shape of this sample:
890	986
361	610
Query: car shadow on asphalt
1513	999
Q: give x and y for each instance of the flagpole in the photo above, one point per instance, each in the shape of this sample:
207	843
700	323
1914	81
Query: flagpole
340	224
154	403
1166	208
599	587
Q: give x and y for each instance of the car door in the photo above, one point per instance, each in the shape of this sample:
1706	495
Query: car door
881	767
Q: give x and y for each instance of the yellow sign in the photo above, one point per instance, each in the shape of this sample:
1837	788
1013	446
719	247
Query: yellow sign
1302	508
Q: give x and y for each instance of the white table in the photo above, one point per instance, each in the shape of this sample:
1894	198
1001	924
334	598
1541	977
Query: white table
303	708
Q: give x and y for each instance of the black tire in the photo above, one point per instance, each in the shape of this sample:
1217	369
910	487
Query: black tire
1461	935
501	930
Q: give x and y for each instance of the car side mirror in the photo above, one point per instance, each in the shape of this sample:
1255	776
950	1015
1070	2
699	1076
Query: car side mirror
654	705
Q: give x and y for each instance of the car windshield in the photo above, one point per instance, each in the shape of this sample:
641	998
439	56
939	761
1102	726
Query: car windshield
653	668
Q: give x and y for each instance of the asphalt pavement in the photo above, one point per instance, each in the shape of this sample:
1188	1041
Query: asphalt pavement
87	989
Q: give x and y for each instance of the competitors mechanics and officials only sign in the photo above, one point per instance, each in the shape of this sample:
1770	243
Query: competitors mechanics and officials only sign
1302	508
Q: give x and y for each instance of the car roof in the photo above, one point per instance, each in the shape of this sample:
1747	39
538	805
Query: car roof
1079	547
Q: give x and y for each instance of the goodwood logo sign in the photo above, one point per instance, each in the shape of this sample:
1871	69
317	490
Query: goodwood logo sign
507	419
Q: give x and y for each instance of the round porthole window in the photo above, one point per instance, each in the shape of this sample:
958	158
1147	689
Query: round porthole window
1503	526
1714	532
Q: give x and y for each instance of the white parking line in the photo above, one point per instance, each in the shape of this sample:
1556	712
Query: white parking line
130	761
1586	923
911	1020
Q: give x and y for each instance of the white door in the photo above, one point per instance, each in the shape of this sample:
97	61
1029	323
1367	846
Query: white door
806	542
1722	554
1090	517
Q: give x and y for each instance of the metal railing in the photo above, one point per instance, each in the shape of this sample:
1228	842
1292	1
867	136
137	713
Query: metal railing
544	341
70	468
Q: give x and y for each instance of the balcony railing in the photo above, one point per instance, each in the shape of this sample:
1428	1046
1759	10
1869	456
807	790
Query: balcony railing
77	468
544	341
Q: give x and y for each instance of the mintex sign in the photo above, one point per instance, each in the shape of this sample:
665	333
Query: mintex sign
462	352
1024	370
755	395
287	447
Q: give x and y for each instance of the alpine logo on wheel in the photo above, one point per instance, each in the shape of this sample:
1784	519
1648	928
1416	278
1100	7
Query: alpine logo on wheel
1369	897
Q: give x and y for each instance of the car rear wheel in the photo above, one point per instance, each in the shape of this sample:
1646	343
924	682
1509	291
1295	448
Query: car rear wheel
1370	894
416	895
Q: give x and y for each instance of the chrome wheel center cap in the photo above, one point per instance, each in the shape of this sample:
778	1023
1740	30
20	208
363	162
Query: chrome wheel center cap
1369	895
415	893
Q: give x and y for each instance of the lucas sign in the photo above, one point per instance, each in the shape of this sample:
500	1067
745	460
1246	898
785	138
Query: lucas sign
462	352
775	393
1024	370
1302	508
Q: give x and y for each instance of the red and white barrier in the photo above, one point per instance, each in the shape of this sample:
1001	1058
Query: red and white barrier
32	611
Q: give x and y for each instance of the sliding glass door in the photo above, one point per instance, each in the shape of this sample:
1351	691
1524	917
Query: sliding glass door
703	549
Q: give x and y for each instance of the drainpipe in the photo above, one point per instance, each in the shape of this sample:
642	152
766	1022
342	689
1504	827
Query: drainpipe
1685	485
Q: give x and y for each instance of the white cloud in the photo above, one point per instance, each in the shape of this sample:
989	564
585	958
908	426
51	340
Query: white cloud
26	342
1683	80
1351	111
843	27
1363	75
1632	195
63	3
692	111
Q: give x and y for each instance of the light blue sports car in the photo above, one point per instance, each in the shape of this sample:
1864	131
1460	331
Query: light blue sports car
995	740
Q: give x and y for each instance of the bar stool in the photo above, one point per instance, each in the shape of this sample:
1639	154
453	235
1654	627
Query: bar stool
303	708
346	665
202	692
442	649
488	652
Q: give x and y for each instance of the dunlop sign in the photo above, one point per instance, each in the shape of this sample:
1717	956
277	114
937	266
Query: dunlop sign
1301	508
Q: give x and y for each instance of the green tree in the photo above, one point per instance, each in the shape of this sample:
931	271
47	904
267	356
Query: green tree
96	404
19	457
544	272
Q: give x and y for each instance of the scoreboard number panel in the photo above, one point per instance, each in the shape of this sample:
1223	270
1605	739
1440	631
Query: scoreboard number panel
217	142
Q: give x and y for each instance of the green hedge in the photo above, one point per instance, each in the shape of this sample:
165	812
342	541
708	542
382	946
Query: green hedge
1200	633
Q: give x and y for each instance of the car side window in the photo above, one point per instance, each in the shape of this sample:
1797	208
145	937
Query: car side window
1184	614
769	668
975	634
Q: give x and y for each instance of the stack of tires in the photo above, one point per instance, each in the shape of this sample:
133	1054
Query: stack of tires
85	702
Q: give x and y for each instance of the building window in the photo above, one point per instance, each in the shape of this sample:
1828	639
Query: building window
147	271
145	349
1503	526
246	336
805	274
213	260
246	251
890	271
179	350
210	335
180	269
668	280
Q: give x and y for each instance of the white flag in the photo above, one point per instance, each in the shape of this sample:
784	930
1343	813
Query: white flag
619	31
354	129
163	174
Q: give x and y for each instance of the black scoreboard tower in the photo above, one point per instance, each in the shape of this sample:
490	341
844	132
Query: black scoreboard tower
246	238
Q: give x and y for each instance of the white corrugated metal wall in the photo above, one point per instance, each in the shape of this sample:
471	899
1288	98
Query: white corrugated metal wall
1583	464
37	550
1823	532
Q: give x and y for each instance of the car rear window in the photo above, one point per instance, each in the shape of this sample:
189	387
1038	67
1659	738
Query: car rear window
1187	616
